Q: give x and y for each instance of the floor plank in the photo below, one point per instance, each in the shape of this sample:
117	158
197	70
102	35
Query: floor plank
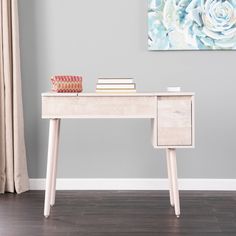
119	213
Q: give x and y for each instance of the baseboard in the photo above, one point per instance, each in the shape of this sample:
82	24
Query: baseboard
136	184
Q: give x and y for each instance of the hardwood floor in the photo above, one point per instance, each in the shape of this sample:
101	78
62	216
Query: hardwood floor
118	213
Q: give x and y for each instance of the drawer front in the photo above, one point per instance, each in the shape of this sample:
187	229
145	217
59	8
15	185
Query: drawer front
98	107
174	121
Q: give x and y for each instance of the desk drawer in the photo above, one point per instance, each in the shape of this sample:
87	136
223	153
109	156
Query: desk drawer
99	107
174	122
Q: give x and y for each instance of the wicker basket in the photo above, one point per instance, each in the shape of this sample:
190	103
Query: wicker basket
67	84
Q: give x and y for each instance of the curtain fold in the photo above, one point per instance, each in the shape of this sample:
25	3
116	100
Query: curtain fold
13	166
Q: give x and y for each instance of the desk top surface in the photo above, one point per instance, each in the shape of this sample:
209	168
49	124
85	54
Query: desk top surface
146	94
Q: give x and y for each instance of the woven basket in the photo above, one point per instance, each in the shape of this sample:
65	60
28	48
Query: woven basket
67	84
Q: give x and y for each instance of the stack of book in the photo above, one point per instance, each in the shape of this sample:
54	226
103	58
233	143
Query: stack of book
115	85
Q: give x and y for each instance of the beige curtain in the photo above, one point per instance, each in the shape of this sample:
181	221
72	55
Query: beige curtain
13	167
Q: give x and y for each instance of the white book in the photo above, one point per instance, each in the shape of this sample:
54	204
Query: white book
116	86
173	89
115	80
115	91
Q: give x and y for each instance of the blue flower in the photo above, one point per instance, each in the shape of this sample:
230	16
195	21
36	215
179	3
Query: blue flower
192	24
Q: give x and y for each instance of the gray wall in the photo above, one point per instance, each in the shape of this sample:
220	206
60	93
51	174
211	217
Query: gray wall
109	38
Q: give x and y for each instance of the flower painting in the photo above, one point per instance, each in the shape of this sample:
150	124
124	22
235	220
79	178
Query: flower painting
191	24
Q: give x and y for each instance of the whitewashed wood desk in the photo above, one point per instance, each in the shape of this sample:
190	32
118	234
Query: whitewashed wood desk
171	115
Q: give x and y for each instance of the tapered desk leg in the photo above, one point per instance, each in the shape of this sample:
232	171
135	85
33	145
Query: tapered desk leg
54	173
172	154
50	161
169	177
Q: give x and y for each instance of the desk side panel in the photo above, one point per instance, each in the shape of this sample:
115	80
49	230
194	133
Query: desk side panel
174	122
99	107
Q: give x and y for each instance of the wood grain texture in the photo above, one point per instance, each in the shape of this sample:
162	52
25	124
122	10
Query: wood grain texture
171	114
174	121
119	213
144	94
50	161
175	188
169	173
55	162
154	132
99	107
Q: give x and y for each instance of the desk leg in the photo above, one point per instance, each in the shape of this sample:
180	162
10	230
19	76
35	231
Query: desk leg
50	161
169	177
55	161
172	153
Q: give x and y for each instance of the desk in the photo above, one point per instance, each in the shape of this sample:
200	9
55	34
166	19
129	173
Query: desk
171	115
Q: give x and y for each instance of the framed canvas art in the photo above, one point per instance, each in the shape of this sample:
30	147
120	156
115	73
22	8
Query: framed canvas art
191	24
